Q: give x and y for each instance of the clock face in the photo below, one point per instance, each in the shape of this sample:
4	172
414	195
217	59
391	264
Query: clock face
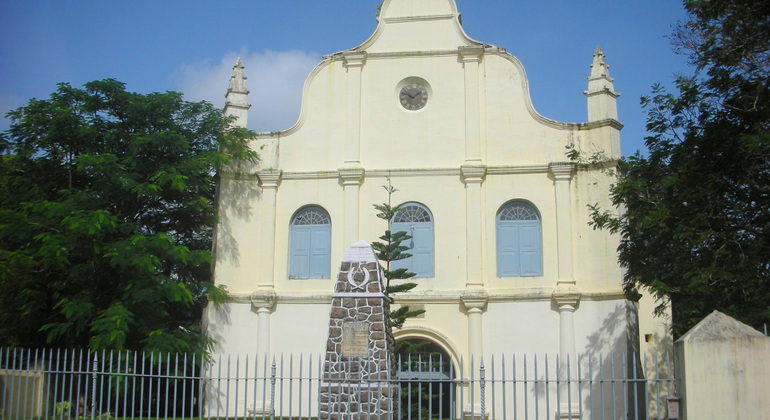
413	96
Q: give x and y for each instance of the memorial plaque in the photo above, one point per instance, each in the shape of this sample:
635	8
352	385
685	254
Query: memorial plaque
355	339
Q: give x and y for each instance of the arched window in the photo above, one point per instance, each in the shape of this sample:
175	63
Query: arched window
310	244
416	220
519	241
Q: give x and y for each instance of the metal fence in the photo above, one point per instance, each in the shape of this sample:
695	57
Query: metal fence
65	384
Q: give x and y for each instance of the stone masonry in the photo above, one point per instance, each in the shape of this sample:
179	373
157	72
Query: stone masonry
359	371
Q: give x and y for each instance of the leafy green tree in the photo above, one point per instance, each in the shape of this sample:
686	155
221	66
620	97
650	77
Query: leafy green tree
107	218
695	222
392	249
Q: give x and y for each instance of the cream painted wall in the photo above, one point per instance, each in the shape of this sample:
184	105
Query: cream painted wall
477	145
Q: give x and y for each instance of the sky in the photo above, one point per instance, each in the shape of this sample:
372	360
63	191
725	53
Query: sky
191	45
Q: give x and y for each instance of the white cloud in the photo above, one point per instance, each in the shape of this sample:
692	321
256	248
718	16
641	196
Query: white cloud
275	79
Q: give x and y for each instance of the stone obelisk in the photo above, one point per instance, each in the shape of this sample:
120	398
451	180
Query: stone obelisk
359	371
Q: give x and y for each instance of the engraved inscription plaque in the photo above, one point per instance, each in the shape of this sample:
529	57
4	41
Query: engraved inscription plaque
355	339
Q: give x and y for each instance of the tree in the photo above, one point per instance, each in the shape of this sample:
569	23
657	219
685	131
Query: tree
391	249
414	399
107	218
694	231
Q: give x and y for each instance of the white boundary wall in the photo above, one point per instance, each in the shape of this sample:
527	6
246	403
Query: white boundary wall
724	370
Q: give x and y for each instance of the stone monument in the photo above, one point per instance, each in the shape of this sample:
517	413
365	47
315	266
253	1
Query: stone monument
359	377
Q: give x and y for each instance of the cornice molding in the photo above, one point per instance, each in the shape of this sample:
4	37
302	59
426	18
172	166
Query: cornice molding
269	179
469	171
238	176
474	299
263	298
609	122
351	176
354	58
453	297
562	171
402	19
566	294
471	54
473	174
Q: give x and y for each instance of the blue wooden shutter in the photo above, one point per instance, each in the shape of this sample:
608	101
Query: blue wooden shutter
507	249
320	252
406	262
299	256
531	248
422	251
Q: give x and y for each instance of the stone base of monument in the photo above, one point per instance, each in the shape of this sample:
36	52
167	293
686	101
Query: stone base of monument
359	379
354	401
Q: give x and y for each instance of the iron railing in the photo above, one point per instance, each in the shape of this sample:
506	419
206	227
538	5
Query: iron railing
67	384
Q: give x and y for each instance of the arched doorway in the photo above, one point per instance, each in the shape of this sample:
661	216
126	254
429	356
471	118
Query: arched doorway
426	374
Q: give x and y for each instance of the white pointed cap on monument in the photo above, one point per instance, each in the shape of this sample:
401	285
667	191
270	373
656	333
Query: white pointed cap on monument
360	251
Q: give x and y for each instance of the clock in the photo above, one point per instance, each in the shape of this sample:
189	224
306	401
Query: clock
413	96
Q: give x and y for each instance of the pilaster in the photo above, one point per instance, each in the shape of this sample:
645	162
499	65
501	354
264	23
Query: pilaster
354	62
567	297
475	299
473	176
351	178
269	181
562	173
263	301
471	59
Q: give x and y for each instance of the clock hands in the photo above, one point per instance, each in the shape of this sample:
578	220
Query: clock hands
415	94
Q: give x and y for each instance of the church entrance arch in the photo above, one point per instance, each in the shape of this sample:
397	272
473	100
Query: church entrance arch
426	374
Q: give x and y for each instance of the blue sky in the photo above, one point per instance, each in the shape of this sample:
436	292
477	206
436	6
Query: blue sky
190	46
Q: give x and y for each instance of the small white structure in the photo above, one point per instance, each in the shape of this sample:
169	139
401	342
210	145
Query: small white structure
504	256
723	366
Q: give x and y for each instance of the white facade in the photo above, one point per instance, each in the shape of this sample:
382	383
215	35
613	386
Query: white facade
475	146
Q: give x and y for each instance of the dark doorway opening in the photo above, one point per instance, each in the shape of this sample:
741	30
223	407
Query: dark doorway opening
426	374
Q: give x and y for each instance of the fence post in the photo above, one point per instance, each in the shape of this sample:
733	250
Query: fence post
93	384
272	391
482	385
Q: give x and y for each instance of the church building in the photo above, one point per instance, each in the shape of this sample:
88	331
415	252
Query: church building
506	261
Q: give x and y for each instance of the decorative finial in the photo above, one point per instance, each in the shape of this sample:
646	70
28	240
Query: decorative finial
237	96
601	92
238	79
599	67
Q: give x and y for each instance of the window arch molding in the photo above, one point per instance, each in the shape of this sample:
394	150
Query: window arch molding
310	243
416	219
519	247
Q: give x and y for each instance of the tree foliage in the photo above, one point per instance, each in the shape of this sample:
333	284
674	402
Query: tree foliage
392	249
695	222
107	218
